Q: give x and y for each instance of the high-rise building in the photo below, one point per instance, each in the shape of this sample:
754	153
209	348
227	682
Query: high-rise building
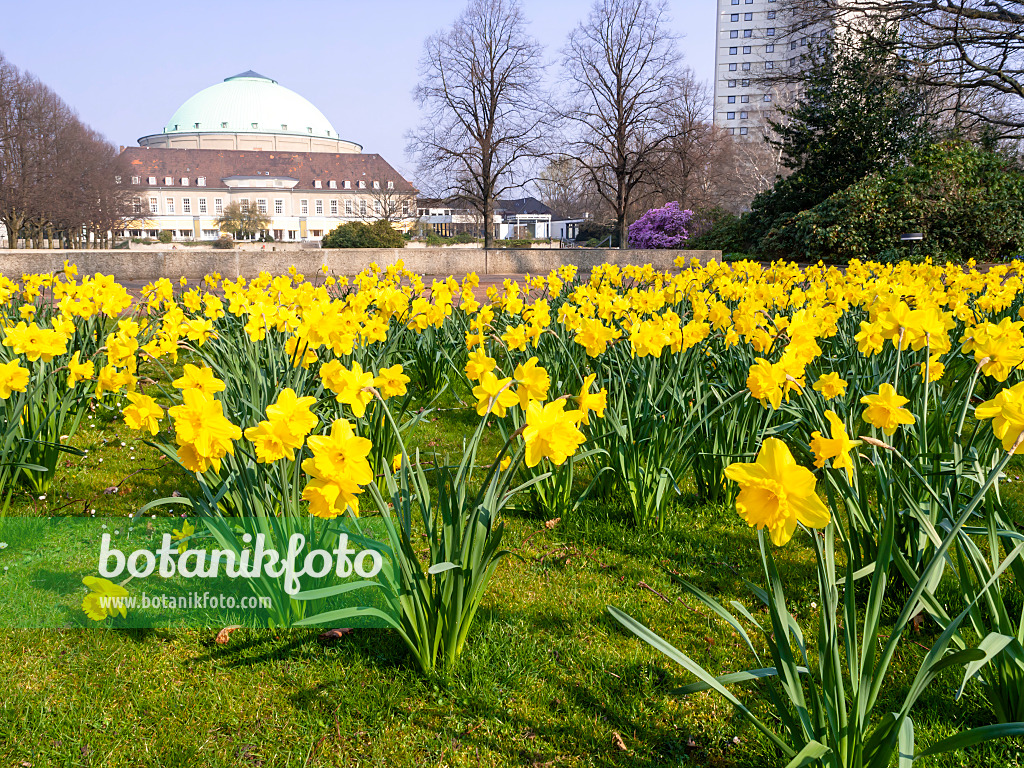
749	45
756	40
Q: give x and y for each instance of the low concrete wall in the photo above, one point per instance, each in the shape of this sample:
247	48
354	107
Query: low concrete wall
194	263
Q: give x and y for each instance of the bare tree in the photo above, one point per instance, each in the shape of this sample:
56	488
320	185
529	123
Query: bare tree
968	53
564	186
392	205
480	84
622	63
58	178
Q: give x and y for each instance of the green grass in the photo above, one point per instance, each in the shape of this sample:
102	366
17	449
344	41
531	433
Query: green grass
547	680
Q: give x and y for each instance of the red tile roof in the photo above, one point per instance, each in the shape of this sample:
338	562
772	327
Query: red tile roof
307	167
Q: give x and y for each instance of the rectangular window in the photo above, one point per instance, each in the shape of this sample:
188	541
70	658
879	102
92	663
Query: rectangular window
317	184
376	207
362	184
732	67
746	49
745	99
405	207
348	207
332	184
184	181
186	205
202	205
218	205
769	49
744	83
391	185
730	115
770	32
137	206
244	203
376	185
743	131
152	181
304	207
734	33
347	185
746	65
769	65
279	207
732	83
771	14
362	207
734	17
767	97
201	181
334	207
748	17
743	115
319	208
154	205
261	205
168	181
136	179
748	33
733	51
169	204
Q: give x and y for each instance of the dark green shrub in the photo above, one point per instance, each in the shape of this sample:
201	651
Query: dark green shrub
224	241
358	234
165	236
463	238
967	202
727	233
591	230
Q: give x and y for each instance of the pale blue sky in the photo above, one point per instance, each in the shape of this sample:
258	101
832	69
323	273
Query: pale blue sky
126	66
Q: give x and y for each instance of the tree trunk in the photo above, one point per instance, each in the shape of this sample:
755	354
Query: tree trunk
623	230
488	225
13	229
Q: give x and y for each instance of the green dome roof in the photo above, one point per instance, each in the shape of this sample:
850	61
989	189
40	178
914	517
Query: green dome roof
249	103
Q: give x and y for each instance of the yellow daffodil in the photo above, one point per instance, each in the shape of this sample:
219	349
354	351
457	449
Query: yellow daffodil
831	385
776	493
1006	410
105	599
885	410
494	395
836	447
143	413
551	432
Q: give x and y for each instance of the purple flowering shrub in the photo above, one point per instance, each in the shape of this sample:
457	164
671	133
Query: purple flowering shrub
660	228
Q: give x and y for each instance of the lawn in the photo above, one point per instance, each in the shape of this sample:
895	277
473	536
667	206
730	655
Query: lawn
548	678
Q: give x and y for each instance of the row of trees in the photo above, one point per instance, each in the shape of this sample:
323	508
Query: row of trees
630	127
59	179
874	147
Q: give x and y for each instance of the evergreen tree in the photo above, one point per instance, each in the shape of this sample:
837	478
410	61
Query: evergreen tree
856	113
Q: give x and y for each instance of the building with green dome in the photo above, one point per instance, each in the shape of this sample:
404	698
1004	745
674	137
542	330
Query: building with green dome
249	112
252	142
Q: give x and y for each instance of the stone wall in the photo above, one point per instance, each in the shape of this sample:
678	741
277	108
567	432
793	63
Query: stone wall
194	263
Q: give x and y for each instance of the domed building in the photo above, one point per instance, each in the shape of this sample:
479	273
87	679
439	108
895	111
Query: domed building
249	112
248	140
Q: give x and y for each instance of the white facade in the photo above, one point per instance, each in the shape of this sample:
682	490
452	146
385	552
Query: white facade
191	213
757	38
749	45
